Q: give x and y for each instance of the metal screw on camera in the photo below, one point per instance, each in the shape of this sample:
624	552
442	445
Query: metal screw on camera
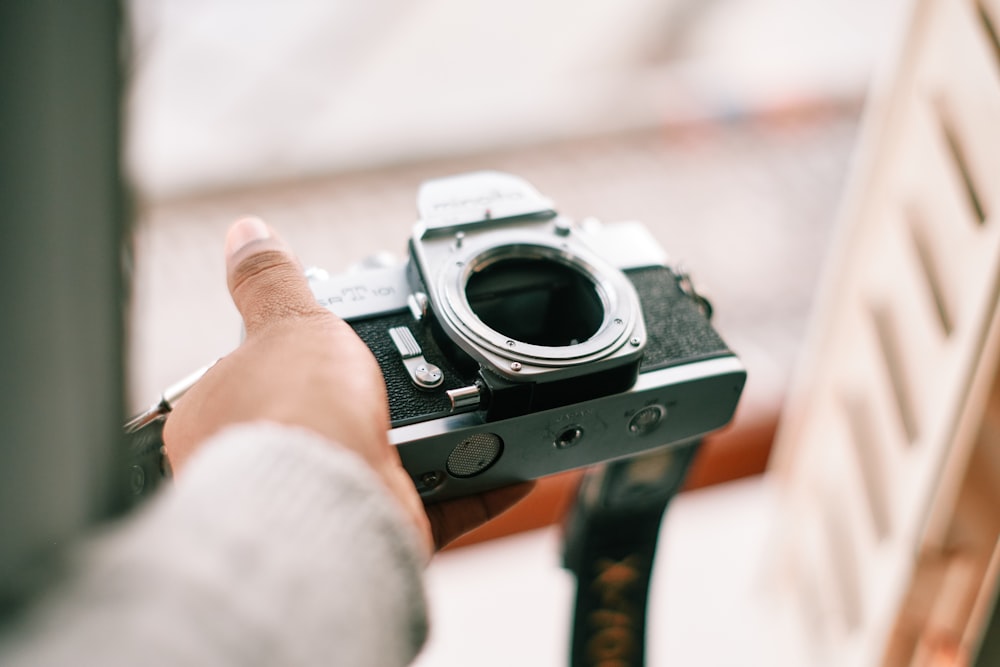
515	366
634	341
432	480
138	479
429	377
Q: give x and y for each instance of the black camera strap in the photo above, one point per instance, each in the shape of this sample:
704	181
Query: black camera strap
610	544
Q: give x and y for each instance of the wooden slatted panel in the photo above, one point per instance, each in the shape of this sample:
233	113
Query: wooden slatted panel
890	486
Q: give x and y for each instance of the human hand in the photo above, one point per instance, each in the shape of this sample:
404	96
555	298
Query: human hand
303	366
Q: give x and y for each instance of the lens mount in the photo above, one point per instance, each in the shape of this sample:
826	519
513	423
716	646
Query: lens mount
598	307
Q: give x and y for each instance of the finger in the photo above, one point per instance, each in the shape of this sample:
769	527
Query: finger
265	280
453	518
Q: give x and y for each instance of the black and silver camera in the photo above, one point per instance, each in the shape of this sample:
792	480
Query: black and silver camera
516	344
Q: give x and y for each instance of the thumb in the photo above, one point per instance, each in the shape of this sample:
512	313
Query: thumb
265	280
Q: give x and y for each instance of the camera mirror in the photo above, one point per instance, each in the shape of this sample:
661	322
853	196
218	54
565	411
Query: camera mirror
536	301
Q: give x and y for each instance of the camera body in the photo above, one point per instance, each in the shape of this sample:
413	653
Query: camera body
515	344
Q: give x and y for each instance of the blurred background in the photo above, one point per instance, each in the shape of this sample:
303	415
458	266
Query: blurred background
726	126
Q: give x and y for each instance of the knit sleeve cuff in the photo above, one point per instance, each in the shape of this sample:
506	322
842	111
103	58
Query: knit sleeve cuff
305	536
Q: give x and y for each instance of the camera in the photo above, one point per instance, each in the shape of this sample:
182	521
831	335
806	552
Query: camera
516	344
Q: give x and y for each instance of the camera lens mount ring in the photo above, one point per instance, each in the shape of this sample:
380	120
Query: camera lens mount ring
617	297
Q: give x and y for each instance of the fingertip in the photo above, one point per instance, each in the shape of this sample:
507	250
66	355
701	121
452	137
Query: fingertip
243	232
264	277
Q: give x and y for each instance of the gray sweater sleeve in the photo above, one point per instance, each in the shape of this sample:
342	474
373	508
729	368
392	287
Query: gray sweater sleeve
274	548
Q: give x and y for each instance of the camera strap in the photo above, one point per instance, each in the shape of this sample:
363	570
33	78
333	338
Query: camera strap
610	544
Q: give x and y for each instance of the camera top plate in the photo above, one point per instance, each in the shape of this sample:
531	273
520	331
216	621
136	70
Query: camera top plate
448	204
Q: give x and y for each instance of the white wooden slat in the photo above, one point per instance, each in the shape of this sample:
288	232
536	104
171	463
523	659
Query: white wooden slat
864	382
992	7
824	569
963	72
937	192
986	15
905	328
